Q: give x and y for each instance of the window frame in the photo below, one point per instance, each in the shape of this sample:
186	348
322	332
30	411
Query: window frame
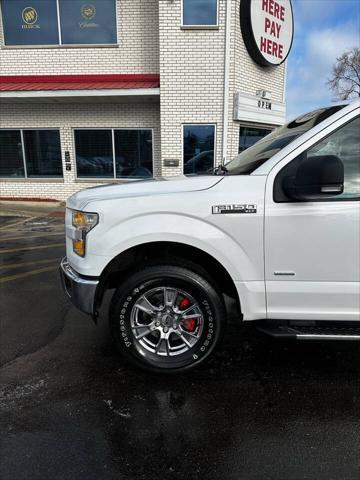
38	177
114	177
198	125
301	152
214	26
60	44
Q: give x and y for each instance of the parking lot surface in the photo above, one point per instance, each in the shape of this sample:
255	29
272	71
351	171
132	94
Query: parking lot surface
70	408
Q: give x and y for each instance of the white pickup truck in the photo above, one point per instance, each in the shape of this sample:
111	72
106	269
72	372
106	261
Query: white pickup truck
277	229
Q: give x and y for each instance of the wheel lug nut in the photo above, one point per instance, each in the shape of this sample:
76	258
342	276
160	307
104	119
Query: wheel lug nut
157	324
166	330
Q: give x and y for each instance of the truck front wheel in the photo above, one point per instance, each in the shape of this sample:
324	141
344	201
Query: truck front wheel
167	318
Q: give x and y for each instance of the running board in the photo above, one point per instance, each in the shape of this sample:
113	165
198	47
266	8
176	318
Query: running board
311	332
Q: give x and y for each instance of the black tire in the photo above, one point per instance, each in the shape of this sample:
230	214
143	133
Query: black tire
190	341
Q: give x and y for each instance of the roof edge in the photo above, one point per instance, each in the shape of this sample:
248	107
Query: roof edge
127	77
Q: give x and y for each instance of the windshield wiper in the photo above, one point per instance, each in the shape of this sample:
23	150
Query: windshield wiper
221	170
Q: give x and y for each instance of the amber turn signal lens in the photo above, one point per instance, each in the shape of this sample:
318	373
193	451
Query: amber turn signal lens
79	247
79	219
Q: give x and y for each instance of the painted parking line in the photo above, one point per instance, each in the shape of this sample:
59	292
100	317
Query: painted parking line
13	266
24	220
26	229
33	235
10	278
40	247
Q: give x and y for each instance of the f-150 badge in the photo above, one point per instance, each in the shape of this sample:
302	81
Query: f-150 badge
234	209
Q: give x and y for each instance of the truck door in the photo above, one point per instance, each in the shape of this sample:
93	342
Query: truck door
312	261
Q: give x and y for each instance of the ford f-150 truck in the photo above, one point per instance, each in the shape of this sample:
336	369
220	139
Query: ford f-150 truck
277	229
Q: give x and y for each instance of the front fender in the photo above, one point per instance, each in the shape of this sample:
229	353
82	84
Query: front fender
179	228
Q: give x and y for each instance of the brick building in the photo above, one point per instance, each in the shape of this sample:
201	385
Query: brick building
103	91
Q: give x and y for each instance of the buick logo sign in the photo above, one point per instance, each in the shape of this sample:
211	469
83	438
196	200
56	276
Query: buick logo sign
267	28
29	15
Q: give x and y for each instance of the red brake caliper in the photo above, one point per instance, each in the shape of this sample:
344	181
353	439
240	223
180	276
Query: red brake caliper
189	324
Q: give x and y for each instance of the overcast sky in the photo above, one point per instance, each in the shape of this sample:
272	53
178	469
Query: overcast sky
323	30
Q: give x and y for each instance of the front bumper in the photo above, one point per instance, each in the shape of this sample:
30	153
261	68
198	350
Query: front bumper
81	290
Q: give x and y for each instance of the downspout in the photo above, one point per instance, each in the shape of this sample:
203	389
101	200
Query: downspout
284	86
226	79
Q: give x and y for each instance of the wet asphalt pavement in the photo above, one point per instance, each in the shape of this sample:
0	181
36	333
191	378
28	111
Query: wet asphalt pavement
70	408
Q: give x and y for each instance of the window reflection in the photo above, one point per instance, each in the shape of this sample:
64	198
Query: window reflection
250	135
11	155
199	12
199	145
42	153
133	153
345	144
30	153
95	153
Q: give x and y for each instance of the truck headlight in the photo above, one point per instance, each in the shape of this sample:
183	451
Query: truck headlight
83	223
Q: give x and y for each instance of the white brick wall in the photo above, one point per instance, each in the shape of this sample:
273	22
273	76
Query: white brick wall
192	79
192	75
137	52
66	117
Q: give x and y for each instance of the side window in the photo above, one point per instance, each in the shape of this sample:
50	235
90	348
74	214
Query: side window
343	143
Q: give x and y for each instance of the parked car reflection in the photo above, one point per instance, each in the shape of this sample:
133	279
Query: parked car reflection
200	164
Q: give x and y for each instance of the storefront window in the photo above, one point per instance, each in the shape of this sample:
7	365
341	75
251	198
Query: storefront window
199	146
30	153
95	152
42	153
200	12
250	135
30	23
133	153
92	23
11	154
38	23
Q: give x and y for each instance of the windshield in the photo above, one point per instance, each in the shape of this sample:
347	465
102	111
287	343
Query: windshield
252	158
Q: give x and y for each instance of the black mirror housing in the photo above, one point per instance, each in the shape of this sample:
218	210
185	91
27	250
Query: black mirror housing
317	178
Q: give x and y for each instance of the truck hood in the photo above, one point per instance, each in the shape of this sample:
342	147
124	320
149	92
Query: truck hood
141	188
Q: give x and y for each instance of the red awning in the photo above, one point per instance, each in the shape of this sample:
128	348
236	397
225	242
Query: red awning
27	83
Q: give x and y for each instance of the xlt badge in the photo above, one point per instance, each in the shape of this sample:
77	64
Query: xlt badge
234	209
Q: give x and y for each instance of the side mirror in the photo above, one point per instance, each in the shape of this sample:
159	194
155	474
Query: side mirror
317	178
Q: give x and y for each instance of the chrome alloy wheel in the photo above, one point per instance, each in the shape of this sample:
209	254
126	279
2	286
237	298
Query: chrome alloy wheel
166	321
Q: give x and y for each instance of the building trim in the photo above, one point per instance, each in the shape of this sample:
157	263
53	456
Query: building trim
126	92
227	54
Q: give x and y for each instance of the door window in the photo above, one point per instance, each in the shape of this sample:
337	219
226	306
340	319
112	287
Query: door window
343	143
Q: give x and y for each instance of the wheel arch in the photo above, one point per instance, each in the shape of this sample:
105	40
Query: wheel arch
156	252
